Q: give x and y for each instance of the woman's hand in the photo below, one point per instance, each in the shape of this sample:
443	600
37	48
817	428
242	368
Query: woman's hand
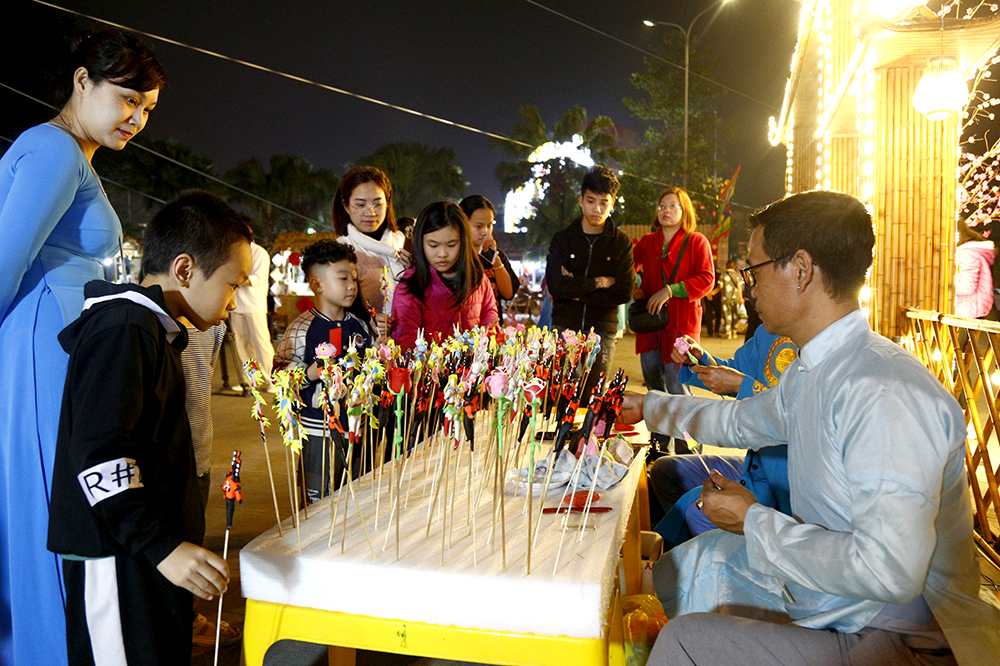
658	300
719	378
694	349
404	258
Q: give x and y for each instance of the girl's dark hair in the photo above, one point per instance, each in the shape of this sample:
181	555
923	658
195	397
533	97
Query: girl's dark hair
967	233
474	202
351	179
434	217
114	56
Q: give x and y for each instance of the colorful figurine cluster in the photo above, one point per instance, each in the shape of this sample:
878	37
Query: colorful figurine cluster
514	384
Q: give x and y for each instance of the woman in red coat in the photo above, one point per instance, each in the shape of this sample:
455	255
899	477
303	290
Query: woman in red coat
656	254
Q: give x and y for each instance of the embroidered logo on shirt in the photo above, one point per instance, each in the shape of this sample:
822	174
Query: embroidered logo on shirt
109	478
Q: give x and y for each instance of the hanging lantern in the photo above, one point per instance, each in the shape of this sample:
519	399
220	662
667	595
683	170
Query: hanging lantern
942	90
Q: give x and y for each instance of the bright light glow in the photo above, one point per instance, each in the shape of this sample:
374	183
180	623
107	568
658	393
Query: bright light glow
936	355
942	90
311	230
890	9
109	261
519	203
995	378
866	293
648	23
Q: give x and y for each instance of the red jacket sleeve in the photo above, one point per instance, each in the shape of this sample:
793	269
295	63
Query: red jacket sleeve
699	274
408	315
488	314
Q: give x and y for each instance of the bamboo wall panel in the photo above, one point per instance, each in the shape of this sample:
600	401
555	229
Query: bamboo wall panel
913	198
844	165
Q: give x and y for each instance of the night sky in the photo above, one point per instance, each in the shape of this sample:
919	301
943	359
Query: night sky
471	61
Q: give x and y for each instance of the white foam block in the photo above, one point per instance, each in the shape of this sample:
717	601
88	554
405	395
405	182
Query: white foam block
439	577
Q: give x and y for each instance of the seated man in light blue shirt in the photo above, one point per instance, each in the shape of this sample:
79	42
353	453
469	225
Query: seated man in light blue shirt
876	564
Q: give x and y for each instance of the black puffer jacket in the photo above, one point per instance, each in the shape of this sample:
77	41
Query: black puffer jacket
577	302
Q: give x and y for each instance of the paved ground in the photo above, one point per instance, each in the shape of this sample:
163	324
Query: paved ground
234	428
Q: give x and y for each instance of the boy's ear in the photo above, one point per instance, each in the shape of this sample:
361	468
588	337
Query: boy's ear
315	285
182	269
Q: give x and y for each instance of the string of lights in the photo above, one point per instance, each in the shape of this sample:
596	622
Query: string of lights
108	180
348	93
182	165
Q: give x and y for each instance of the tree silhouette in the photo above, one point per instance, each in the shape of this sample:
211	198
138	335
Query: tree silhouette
289	181
420	174
660	157
560	177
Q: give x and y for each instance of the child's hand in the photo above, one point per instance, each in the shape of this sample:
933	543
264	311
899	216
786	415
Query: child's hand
199	571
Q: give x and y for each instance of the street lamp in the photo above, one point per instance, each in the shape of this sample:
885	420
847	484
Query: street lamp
687	69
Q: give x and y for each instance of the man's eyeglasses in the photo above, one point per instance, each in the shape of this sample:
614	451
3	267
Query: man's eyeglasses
360	207
748	273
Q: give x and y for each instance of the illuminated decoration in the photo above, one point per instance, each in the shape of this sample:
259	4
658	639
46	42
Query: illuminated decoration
866	130
520	203
785	119
790	161
890	9
824	29
942	91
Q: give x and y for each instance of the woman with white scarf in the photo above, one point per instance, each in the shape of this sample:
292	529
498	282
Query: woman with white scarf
363	217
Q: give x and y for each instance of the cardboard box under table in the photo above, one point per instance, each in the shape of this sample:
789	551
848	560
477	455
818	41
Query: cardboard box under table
440	598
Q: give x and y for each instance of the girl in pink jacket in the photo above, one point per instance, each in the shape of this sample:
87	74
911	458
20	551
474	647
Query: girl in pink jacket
974	282
445	286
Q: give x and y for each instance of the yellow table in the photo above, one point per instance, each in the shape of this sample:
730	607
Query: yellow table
360	614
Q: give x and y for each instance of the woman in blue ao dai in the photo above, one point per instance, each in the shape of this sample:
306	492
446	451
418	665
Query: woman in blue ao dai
57	228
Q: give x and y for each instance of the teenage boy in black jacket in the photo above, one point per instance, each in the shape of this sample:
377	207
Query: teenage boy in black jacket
125	511
590	271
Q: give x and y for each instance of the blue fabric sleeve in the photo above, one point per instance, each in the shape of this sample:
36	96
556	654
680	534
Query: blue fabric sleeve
46	172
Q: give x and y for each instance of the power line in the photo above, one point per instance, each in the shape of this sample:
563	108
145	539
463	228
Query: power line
292	77
181	164
108	180
649	53
372	100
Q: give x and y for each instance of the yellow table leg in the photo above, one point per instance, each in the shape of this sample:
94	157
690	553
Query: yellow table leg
642	499
341	656
632	554
616	631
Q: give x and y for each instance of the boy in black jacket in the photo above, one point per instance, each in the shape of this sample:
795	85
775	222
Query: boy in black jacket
590	270
125	511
